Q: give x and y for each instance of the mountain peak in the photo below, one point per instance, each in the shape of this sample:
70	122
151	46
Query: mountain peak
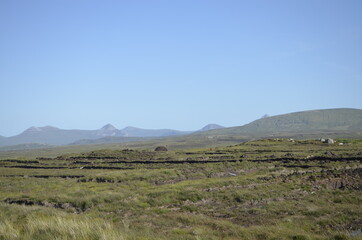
40	129
130	128
211	126
48	128
109	127
33	129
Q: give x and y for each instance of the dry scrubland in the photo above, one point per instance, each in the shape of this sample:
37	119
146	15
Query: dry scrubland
266	189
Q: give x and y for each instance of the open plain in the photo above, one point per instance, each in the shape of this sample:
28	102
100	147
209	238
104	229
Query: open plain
260	189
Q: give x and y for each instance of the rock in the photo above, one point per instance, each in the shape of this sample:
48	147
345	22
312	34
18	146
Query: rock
330	154
330	141
161	149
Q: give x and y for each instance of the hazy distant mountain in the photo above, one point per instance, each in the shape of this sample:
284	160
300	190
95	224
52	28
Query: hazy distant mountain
341	119
211	127
132	134
48	135
55	136
138	132
108	130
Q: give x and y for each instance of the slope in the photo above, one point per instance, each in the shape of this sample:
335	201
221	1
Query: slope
340	119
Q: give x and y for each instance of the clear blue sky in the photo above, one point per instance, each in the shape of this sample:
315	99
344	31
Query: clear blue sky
174	64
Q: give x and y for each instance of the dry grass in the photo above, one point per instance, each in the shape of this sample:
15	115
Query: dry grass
20	222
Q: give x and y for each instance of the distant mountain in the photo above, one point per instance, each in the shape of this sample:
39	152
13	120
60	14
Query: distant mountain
138	132
317	121
56	136
210	127
108	130
48	135
340	119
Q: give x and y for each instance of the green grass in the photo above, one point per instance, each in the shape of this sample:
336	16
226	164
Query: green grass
20	222
264	189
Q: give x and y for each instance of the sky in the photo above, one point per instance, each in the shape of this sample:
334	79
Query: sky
174	64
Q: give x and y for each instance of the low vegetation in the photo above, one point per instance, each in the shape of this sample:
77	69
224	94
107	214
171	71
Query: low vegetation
262	189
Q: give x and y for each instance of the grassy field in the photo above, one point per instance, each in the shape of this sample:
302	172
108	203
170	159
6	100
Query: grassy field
262	189
172	143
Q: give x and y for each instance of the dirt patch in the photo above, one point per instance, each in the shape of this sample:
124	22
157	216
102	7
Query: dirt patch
27	202
343	179
34	167
20	161
46	176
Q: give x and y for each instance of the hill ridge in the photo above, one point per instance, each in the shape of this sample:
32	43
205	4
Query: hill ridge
302	121
311	121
